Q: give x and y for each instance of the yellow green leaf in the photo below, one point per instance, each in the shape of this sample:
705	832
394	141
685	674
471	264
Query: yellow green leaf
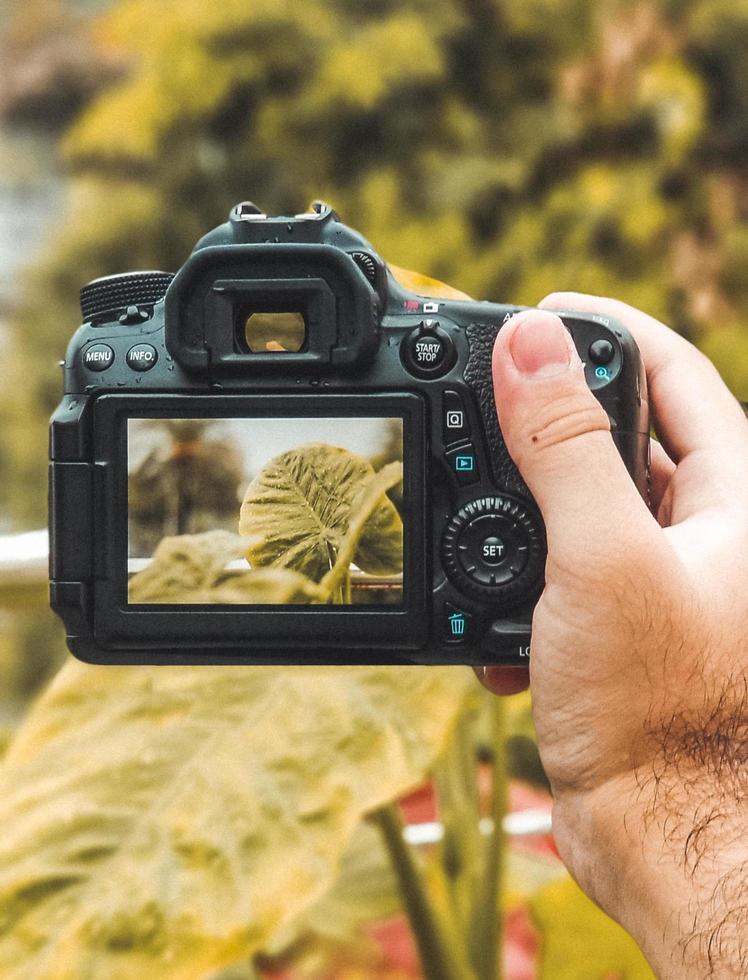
163	822
297	513
365	890
425	285
191	568
374	537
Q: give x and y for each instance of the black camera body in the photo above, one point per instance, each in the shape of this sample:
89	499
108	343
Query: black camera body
383	517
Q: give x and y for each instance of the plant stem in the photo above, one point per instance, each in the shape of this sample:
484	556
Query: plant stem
438	960
253	972
486	937
378	485
461	850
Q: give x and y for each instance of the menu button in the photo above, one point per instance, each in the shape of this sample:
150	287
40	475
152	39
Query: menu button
98	357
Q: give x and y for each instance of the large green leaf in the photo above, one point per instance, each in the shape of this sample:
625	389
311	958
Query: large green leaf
374	537
164	822
376	524
191	568
297	513
365	890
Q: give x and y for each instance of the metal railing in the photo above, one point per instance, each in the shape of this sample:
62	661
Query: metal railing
522	823
24	562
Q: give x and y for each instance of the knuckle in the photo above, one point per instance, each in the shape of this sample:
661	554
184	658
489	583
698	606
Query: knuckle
637	602
739	547
564	297
699	361
565	416
616	566
695	360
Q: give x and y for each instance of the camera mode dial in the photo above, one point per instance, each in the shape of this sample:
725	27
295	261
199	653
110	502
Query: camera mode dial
123	294
494	549
367	265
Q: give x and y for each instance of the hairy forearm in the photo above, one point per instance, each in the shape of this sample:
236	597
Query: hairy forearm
664	848
693	798
685	897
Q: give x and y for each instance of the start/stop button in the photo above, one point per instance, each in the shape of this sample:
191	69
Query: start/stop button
427	351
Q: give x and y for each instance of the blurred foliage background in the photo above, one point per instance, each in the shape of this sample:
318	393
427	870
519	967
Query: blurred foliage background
505	146
508	147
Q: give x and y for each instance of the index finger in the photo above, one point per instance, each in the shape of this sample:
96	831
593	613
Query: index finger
503	680
693	409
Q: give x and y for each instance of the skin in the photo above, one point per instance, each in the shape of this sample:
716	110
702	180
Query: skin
639	656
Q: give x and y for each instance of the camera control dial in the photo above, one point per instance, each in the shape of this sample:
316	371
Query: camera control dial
116	294
494	549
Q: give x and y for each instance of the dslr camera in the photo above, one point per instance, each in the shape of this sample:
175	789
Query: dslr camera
280	455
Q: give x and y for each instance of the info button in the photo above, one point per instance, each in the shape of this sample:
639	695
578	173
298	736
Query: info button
142	357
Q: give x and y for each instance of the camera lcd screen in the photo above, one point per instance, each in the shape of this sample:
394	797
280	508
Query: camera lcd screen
265	511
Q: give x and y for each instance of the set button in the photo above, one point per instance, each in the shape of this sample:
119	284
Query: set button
492	549
98	357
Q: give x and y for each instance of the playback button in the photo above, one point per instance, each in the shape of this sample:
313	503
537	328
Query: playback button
141	357
463	463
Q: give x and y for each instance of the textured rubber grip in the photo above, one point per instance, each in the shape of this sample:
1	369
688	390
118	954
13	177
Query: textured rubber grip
479	378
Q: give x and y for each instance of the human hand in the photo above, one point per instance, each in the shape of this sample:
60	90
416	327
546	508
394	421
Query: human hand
639	656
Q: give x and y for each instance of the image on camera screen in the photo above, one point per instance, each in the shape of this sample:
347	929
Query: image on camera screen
265	511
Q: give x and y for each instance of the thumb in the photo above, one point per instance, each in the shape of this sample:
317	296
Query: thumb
559	436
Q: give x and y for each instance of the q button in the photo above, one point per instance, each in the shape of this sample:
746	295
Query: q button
142	357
